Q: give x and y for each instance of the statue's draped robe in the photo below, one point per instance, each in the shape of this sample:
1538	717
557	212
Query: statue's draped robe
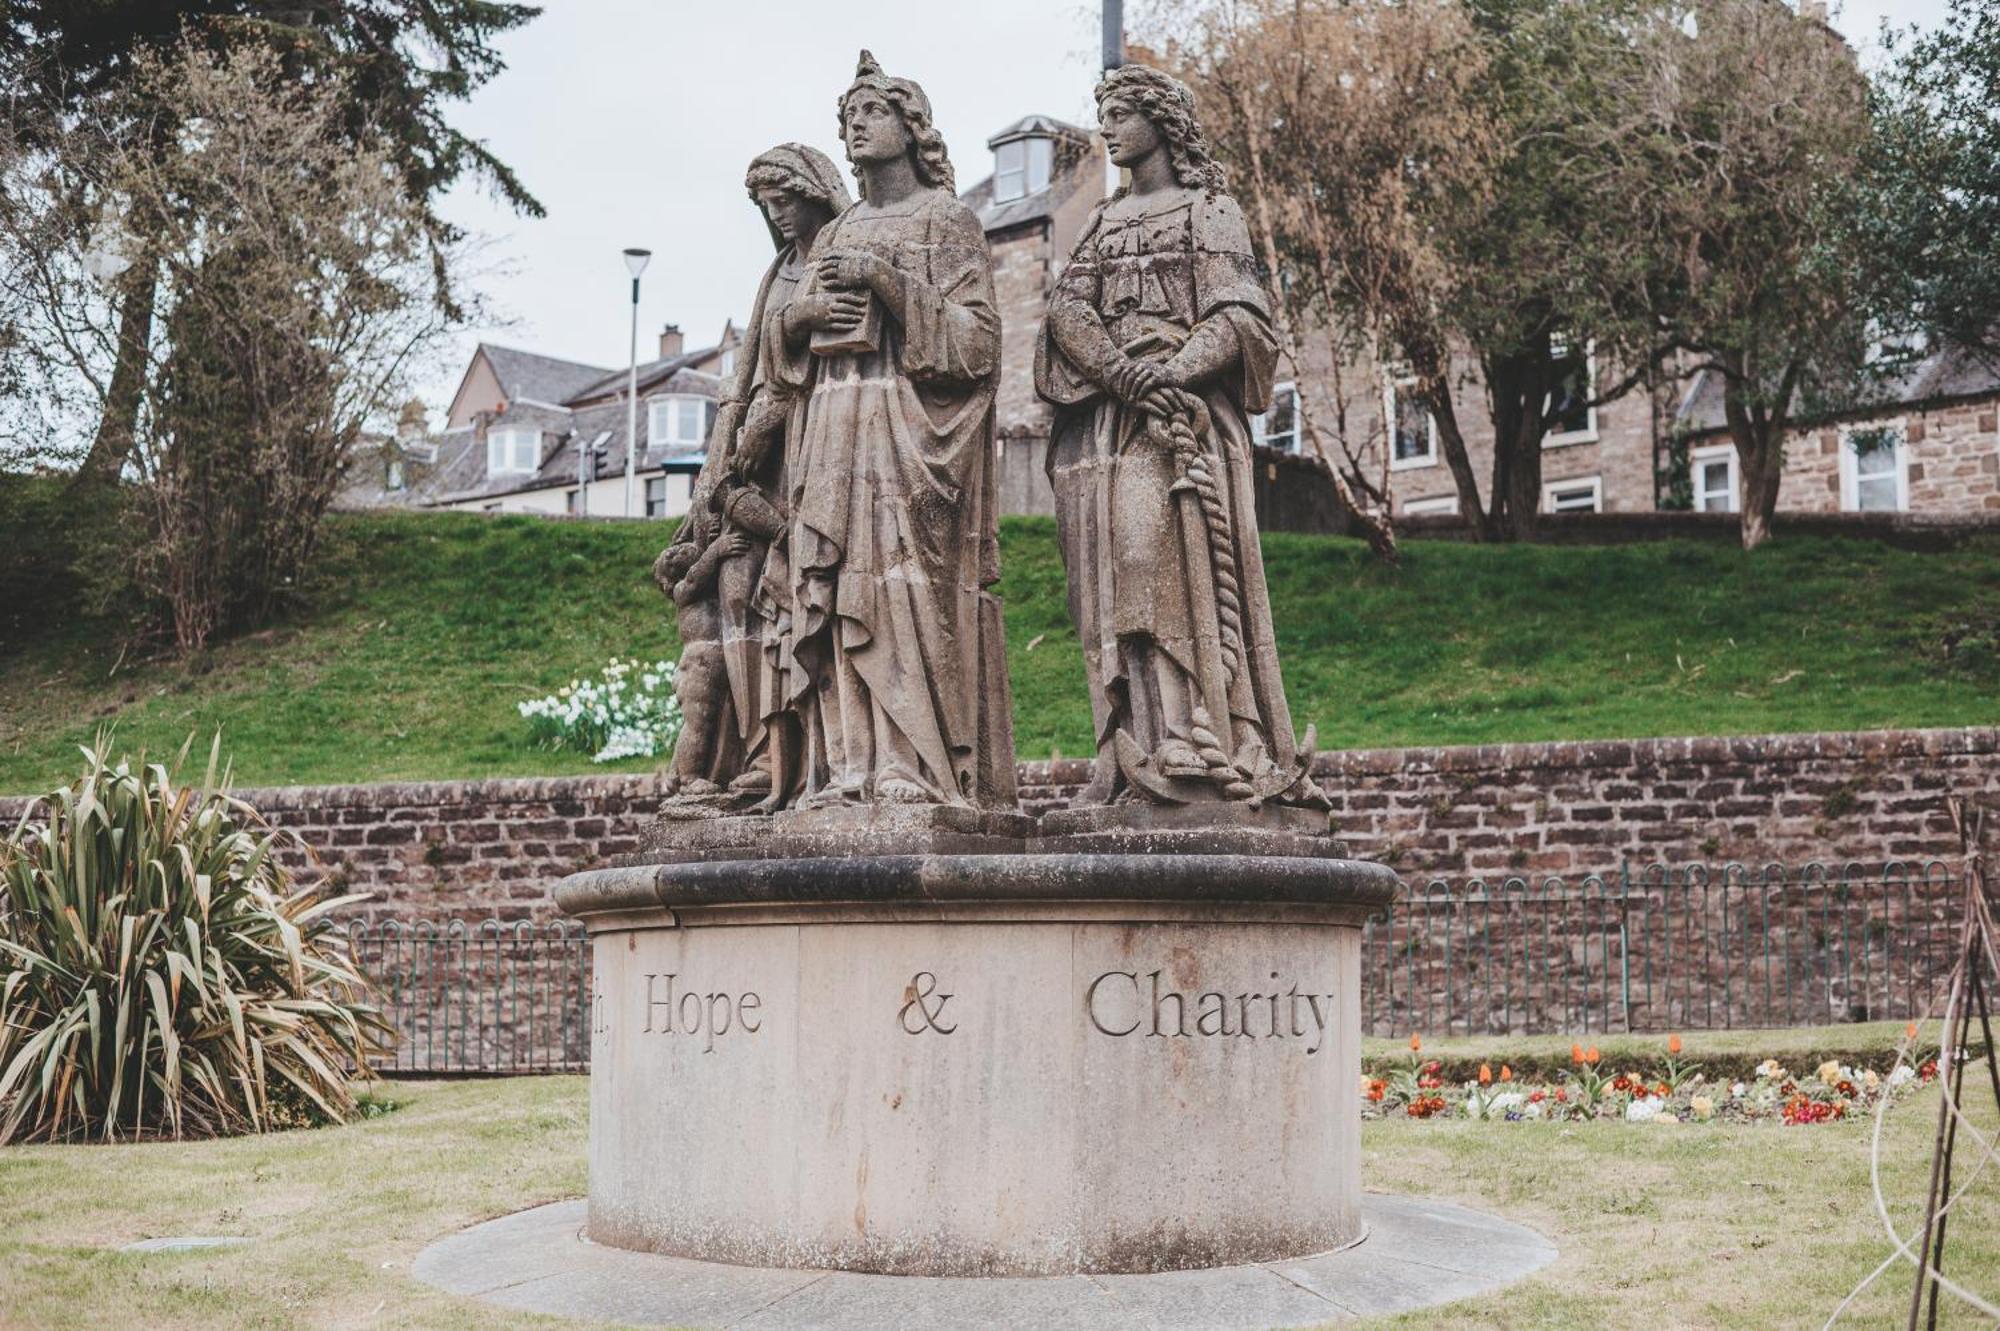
898	664
1182	270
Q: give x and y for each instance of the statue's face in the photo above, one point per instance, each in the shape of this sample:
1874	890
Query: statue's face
790	213
873	130
1128	136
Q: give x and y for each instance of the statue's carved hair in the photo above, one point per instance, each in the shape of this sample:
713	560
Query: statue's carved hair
933	161
1169	105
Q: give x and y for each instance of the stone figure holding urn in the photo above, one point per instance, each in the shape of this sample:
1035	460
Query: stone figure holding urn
1157	350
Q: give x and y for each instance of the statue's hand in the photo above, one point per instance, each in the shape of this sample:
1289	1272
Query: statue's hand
834	310
856	270
1132	380
1161	402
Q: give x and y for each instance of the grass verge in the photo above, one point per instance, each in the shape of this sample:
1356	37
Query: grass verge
1690	1225
427	629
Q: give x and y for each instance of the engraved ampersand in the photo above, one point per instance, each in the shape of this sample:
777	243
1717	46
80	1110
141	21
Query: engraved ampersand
919	1013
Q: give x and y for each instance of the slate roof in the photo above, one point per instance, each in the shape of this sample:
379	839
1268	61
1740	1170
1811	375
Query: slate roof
1947	373
460	473
542	378
611	383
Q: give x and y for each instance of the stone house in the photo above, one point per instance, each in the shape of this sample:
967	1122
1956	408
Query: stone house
1933	447
527	433
1929	445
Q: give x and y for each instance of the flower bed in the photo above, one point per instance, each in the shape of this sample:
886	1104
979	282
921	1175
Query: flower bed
628	711
1667	1089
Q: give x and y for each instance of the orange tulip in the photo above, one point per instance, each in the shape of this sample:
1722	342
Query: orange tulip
1673	1044
1590	1055
1416	1043
1485	1075
1910	1031
1506	1073
1576	1053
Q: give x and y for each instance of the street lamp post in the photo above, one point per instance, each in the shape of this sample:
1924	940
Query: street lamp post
635	263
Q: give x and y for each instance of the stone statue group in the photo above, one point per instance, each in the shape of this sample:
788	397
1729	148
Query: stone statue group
834	577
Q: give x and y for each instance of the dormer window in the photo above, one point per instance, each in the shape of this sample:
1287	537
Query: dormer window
677	421
1021	167
513	451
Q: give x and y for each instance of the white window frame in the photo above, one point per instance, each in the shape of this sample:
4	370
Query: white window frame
663	416
1259	432
1850	464
1588	434
1391	384
1030	171
656	497
1413	508
508	447
1595	484
1713	453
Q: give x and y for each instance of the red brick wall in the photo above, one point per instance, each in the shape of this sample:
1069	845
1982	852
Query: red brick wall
479	848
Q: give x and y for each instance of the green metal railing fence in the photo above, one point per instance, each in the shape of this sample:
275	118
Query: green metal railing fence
487	996
1646	948
1660	947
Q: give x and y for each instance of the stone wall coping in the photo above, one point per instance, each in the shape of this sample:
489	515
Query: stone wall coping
1864	745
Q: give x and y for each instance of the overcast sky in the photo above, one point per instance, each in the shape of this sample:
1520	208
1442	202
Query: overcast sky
632	122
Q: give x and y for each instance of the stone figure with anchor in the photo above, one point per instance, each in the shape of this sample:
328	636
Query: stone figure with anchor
1157	350
726	569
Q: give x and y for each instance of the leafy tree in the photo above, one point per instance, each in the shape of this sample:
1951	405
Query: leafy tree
1933	177
397	63
1430	177
1749	128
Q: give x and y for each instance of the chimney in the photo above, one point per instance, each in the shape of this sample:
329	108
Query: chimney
670	341
413	424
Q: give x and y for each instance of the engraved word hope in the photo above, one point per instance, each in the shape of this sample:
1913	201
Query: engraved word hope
708	1016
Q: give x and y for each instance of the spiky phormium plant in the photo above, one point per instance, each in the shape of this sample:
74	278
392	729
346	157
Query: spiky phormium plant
159	973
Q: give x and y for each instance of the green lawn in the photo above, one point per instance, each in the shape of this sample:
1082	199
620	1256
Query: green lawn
1686	1225
429	628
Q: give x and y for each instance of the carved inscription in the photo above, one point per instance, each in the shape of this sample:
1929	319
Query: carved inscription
600	1014
1122	1003
919	1012
705	1016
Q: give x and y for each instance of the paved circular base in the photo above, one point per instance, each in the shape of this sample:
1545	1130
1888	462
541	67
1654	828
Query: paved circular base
1417	1253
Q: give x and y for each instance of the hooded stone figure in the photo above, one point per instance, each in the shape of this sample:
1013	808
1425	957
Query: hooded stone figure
726	567
897	663
1157	350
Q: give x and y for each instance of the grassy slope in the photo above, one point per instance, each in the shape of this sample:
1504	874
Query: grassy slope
433	626
1694	1225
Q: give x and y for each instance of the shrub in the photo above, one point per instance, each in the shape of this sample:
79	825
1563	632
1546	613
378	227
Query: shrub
159	976
629	711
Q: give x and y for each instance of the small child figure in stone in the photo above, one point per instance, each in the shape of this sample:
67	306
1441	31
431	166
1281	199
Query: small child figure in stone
686	572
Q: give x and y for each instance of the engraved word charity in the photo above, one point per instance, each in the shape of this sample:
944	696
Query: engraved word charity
1121	1003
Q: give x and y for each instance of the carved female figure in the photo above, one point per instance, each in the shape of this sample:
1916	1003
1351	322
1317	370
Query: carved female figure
897	664
726	567
1157	349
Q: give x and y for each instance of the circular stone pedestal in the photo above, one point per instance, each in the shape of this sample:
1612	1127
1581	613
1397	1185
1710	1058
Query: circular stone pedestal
978	1064
1418	1254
